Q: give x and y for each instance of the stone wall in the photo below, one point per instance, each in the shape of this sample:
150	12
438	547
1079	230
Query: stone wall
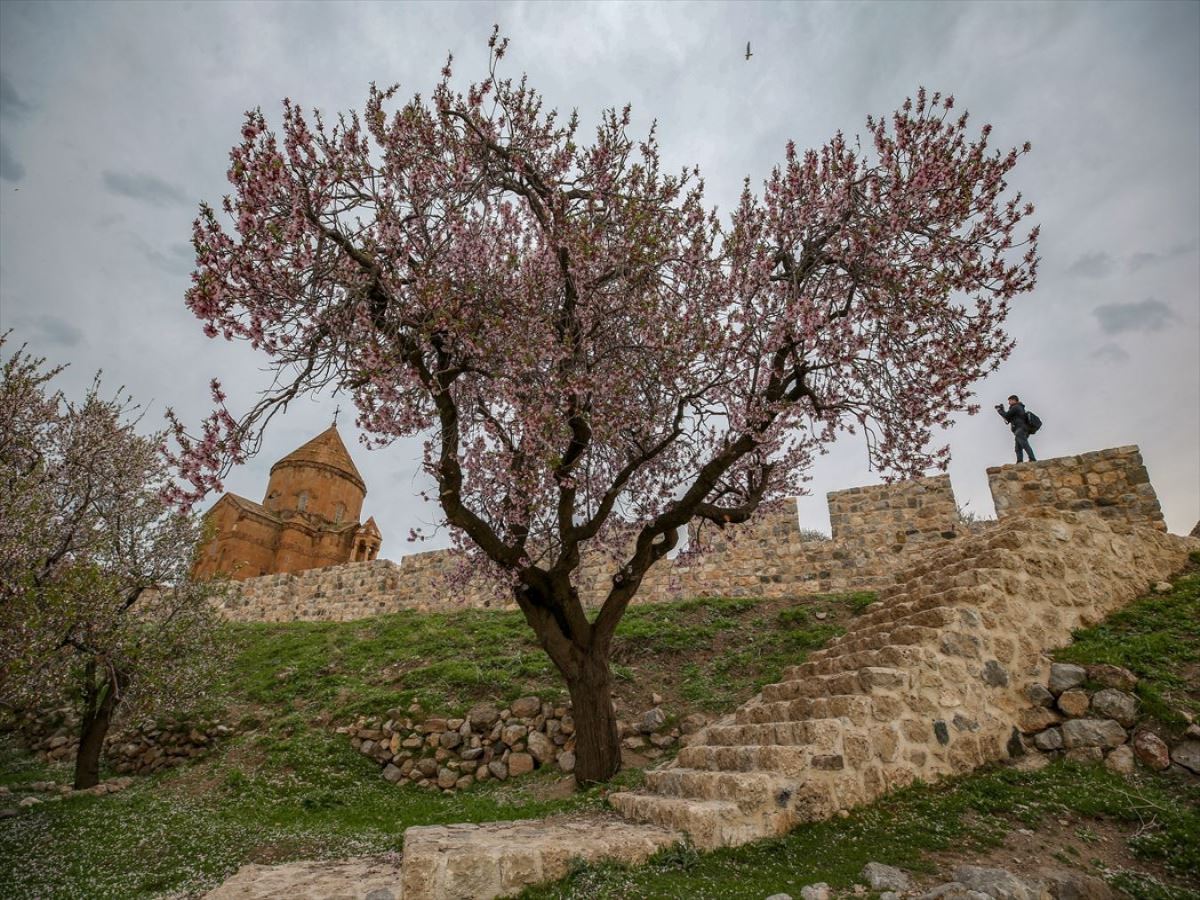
1113	483
877	531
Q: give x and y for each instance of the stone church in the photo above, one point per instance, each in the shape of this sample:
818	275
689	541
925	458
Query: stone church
309	518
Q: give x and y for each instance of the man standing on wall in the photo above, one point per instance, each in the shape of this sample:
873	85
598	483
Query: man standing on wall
1020	422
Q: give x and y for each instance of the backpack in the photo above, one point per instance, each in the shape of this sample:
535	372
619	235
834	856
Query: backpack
1034	422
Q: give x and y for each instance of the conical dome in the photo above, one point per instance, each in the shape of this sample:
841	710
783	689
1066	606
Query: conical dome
325	450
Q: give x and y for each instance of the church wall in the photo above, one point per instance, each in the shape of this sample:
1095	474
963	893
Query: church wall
244	546
326	489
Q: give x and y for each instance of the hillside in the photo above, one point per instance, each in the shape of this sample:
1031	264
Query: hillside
300	790
288	787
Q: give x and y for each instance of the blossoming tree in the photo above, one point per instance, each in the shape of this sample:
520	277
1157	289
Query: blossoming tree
97	609
586	346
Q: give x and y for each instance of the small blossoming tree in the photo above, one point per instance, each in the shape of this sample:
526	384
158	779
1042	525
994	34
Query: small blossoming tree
586	345
97	609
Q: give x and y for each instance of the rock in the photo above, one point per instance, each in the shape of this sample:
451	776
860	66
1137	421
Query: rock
7	812
1112	676
1064	884
1151	750
1073	702
998	884
433	726
780	897
953	890
1039	695
1092	733
652	720
1163	587
541	747
513	734
693	723
662	741
566	761
1120	760
471	753
1036	719
465	782
1187	754
884	878
526	707
1064	676
450	739
1116	705
1050	739
889	895
656	699
483	716
446	778
27	802
392	773
427	767
818	891
519	764
1034	762
994	674
1085	755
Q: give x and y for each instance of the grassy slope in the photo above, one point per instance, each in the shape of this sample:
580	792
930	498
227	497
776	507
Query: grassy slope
288	788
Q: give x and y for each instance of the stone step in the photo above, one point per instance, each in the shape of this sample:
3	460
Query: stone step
935	617
861	682
894	657
855	708
811	732
709	823
789	760
751	791
885	636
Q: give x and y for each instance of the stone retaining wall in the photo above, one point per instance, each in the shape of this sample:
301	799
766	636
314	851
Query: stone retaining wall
877	531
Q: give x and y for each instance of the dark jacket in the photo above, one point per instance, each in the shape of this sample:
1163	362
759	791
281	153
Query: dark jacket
1016	417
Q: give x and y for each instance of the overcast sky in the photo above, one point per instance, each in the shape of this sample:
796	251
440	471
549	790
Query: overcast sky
117	120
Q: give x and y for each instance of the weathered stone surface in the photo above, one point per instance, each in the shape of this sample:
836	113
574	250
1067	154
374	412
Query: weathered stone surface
566	761
483	716
1112	676
1073	702
1064	676
1085	755
953	890
1092	733
526	707
998	884
652	720
994	674
499	859
1151	750
1036	719
351	879
392	773
818	891
880	877
541	748
1065	884
1163	587
1050	739
1187	754
519	764
1117	705
1039	695
498	769
1120	760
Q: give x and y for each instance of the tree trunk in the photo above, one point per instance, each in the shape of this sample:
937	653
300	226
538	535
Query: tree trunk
99	703
597	745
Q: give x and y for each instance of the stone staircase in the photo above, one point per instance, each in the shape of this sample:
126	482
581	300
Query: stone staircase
928	682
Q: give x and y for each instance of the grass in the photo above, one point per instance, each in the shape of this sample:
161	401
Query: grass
1157	638
287	787
969	814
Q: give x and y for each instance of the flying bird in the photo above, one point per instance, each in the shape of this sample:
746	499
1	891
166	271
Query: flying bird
748	53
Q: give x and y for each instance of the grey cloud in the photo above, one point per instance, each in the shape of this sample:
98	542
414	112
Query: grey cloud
1141	260
11	104
1113	353
1092	265
1144	315
10	167
176	258
143	187
53	330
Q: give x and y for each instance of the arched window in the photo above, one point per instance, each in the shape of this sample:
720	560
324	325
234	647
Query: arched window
302	501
